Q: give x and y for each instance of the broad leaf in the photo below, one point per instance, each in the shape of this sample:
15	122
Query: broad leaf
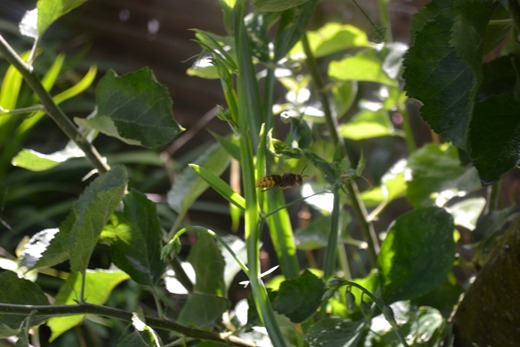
203	309
494	136
331	38
189	186
364	66
437	176
299	298
14	290
134	108
206	305
34	161
90	215
50	10
135	237
335	332
78	233
98	286
417	254
442	67
367	124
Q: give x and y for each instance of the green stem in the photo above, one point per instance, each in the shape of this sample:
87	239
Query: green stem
407	127
385	20
385	309
330	255
359	208
85	308
56	113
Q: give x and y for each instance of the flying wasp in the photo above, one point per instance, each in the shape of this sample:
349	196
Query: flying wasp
285	181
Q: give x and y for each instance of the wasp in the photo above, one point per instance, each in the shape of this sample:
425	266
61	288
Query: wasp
285	181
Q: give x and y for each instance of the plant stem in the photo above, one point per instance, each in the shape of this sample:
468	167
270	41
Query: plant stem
407	127
385	21
56	113
359	208
330	255
85	308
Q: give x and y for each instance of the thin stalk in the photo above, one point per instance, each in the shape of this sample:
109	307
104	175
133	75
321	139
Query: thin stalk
330	255
407	127
343	261
359	208
249	124
56	113
385	20
85	308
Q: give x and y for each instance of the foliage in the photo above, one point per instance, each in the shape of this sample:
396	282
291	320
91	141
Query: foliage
380	279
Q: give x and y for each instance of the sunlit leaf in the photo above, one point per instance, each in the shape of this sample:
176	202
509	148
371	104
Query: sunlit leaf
417	254
98	286
134	108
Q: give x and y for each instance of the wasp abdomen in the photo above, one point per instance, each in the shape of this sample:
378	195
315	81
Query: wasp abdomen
285	181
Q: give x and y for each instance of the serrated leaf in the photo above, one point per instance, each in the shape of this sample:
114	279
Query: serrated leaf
367	124
90	215
189	186
494	136
300	297
50	10
331	38
335	332
136	239
208	263
14	290
444	74
203	309
364	66
98	286
417	254
134	108
437	176
207	303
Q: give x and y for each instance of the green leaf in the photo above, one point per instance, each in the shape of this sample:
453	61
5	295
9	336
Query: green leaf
208	263
417	254
98	286
494	222
203	309
206	305
442	67
367	124
276	5
189	186
331	38
14	290
136	239
299	298
335	332
229	143
466	212
220	186
50	10
90	215
39	244
293	25
134	108
444	297
364	66
494	136
136	339
438	176
35	161
393	186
